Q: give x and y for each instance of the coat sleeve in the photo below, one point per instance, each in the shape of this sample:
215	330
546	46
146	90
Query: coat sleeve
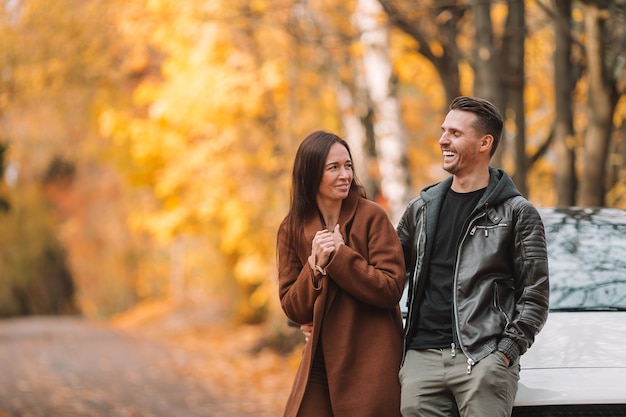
531	274
371	267
297	286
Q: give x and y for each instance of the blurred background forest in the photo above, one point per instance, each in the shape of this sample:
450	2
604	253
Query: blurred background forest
146	145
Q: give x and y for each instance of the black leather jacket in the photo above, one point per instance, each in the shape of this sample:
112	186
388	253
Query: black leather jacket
501	284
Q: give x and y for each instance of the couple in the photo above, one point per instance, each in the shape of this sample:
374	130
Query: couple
470	249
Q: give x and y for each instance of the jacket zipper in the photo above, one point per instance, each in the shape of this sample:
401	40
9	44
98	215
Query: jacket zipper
471	232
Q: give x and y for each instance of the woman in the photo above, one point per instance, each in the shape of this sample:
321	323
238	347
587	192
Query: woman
341	268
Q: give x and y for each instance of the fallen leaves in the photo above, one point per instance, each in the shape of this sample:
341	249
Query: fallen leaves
232	362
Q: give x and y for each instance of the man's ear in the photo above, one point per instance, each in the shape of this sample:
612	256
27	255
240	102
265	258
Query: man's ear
486	142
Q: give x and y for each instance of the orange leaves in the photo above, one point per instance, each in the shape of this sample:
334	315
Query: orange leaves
204	145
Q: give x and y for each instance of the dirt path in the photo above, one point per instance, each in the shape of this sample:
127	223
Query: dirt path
70	367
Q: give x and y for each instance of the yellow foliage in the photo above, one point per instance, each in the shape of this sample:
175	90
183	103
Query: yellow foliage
205	147
235	225
499	13
203	104
252	268
577	14
436	48
542	193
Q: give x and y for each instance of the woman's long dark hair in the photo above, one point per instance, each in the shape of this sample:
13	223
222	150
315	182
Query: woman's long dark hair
308	169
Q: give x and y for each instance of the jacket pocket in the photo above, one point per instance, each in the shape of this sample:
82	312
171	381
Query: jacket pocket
487	228
498	302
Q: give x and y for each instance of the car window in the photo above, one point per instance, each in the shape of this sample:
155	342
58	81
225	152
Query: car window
587	261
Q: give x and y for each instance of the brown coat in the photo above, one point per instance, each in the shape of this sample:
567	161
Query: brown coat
355	312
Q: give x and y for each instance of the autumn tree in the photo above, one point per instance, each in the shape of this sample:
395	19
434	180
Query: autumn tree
589	39
61	61
389	134
213	137
434	28
497	58
604	51
564	84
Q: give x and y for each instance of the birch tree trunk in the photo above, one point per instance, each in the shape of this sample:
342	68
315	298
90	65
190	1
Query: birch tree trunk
389	133
352	120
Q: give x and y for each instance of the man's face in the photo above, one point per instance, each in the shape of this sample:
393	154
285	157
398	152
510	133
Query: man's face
459	142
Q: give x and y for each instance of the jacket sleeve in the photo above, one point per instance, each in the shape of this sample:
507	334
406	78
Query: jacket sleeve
406	233
297	286
372	268
532	283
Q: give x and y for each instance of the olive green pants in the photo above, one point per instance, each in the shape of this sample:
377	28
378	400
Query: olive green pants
436	383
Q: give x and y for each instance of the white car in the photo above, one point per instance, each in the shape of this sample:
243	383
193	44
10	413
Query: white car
577	365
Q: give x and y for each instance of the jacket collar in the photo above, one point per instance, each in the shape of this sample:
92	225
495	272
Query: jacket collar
500	188
348	210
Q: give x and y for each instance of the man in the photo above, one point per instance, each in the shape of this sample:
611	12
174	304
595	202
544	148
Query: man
477	270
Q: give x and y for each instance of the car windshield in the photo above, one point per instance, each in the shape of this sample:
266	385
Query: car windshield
587	262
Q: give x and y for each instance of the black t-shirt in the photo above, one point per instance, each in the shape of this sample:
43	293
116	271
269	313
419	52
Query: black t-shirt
434	323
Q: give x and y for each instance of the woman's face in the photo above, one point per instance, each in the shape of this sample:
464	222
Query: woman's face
338	175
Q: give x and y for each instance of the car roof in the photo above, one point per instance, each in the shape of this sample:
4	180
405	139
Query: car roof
596	215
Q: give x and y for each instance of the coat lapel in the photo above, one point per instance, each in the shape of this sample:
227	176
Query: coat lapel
348	210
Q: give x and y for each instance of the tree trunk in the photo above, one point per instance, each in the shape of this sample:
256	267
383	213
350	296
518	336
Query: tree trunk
351	107
600	110
616	178
487	65
443	32
513	45
485	71
388	126
563	140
